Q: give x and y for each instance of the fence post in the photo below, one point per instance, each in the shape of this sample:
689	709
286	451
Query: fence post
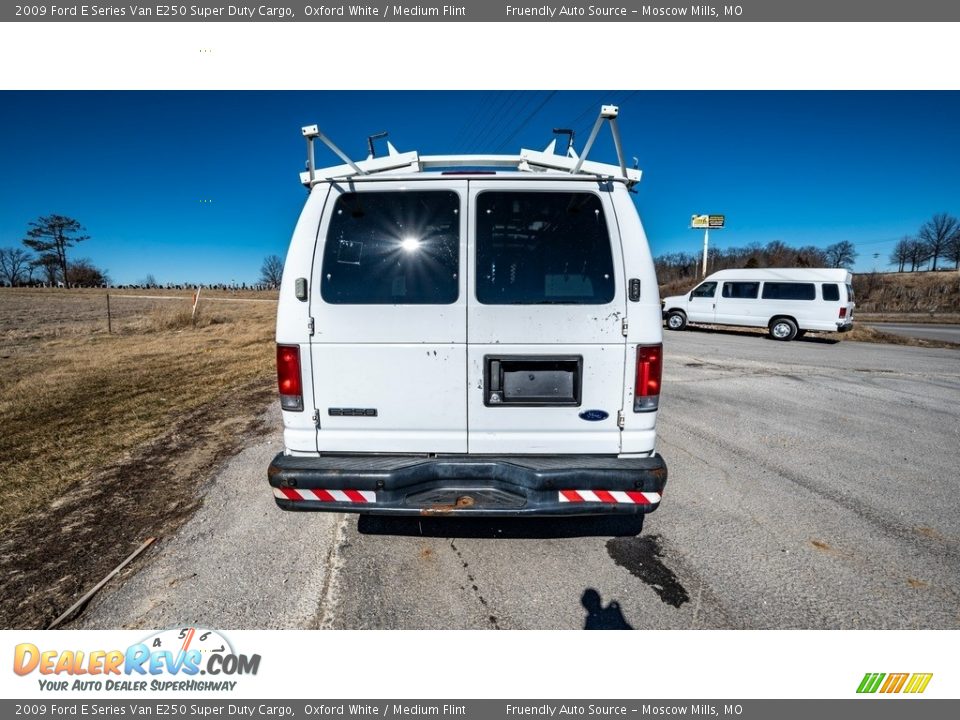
196	299
109	322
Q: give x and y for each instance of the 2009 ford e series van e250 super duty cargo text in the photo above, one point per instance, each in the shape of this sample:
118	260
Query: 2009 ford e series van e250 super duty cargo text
469	335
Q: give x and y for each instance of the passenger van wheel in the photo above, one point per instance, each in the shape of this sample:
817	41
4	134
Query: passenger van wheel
783	329
676	320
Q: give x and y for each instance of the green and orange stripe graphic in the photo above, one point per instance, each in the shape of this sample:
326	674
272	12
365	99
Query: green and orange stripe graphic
894	682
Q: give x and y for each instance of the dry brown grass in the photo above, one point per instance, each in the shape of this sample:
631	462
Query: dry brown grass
911	318
923	293
864	333
74	399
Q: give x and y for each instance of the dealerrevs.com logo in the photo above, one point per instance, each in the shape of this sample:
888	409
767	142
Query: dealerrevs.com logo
910	683
182	654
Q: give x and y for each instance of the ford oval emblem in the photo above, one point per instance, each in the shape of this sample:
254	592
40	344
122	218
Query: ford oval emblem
594	415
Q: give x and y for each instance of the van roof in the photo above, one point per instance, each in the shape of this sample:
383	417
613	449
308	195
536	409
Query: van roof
807	274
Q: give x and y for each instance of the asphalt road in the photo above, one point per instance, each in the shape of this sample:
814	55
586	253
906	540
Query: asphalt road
926	331
812	485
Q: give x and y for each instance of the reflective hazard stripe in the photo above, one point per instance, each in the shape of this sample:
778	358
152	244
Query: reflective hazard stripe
349	496
630	497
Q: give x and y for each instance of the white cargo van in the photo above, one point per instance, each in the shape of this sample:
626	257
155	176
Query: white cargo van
786	301
469	335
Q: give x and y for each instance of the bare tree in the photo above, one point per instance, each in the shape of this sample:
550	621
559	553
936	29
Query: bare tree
14	266
841	254
779	254
52	235
271	271
83	273
953	251
937	233
149	281
919	253
810	256
901	252
49	268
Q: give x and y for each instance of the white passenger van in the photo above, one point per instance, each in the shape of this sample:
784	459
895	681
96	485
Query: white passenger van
469	335
786	301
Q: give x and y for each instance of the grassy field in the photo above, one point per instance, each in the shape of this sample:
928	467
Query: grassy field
106	436
74	398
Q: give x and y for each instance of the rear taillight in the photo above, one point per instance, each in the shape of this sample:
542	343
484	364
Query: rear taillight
288	377
843	313
646	389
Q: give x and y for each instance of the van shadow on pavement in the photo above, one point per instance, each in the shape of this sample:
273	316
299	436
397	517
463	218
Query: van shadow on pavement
812	338
506	528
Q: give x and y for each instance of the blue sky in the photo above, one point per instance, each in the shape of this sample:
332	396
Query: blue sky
201	186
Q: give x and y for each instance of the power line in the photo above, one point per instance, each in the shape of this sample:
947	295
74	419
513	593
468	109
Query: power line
476	123
527	120
502	123
527	99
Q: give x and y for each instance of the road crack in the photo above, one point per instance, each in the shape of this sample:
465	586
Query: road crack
491	619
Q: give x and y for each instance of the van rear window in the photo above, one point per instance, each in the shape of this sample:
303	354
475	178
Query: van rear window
393	248
543	248
789	291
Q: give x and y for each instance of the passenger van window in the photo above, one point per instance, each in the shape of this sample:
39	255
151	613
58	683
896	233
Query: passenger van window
789	291
543	248
742	290
831	291
393	248
849	292
707	289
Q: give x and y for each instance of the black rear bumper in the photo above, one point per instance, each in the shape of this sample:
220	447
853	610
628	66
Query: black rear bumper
465	485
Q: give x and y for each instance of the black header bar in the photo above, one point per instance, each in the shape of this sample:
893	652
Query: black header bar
487	11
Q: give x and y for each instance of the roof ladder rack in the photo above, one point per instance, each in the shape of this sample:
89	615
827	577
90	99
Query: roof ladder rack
537	161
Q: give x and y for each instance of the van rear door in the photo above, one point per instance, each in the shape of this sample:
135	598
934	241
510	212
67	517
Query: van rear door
546	304
388	351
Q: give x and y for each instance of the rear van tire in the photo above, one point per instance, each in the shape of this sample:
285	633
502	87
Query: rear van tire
783	329
676	320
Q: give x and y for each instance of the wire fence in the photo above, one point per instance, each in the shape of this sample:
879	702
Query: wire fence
43	313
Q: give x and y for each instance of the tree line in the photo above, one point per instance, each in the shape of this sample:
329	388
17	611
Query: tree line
43	258
686	266
937	238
